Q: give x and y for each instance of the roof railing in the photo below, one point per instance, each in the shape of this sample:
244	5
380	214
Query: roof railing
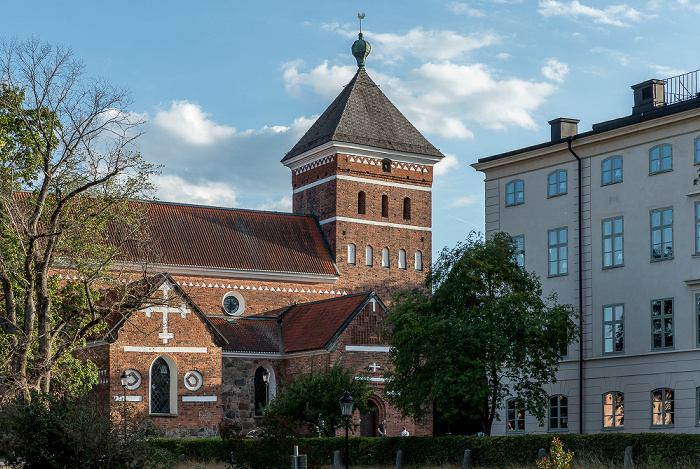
681	87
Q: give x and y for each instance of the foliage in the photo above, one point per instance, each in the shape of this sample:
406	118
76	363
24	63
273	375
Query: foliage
557	458
67	179
485	334
313	397
77	433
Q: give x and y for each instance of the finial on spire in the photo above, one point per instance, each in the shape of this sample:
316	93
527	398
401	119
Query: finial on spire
360	48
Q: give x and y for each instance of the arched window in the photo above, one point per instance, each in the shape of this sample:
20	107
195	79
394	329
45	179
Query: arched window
419	261
407	208
385	205
515	192
660	159
368	255
361	203
556	183
402	259
163	388
351	253
263	381
385	258
386	165
611	170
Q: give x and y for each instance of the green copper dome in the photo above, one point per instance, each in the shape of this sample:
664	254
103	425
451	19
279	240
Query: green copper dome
360	49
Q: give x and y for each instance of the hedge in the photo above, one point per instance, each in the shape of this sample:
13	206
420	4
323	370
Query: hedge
487	451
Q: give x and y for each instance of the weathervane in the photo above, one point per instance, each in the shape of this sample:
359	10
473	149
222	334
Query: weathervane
361	16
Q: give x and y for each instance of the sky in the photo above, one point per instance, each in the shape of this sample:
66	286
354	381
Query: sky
228	87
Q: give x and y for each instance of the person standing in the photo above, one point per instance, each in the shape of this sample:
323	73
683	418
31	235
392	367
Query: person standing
404	432
382	428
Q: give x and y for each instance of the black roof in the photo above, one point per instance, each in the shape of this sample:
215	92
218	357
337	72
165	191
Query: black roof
362	114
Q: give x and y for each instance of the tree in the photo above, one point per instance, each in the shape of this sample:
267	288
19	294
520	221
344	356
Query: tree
67	179
312	397
485	334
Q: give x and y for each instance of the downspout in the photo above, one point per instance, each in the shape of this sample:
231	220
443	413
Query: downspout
580	284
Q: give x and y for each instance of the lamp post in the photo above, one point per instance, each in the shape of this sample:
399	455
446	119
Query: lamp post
266	380
346	403
124	379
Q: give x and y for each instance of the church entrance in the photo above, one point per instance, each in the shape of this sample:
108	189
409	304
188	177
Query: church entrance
369	422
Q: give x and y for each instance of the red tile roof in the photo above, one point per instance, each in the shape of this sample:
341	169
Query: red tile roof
212	237
308	326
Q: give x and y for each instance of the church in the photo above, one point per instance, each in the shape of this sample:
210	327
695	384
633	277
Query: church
252	298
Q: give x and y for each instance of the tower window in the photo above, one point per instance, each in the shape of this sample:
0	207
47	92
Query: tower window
368	255
351	253
402	259
386	165
385	258
419	260
407	208
361	203
385	206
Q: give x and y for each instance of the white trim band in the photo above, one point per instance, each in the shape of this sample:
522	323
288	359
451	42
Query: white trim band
358	179
366	348
128	398
374	223
141	349
199	398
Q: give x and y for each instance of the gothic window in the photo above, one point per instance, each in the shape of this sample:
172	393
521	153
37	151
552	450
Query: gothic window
385	258
402	259
385	206
361	203
162	386
419	260
351	253
407	208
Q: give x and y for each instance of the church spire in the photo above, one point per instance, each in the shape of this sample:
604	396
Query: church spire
360	48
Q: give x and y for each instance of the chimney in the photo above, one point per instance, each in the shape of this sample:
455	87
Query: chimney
563	127
648	95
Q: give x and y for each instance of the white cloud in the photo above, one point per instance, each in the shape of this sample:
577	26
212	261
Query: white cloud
555	70
467	201
459	8
188	122
662	71
327	82
613	15
175	188
284	204
447	164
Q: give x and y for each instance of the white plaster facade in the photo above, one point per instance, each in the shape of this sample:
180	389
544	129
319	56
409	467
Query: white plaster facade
639	368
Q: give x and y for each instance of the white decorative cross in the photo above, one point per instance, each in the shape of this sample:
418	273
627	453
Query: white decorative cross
183	310
374	367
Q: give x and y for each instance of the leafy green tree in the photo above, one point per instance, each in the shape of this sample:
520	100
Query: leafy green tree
67	179
314	396
485	334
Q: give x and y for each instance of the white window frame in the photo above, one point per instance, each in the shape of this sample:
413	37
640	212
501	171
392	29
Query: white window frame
173	386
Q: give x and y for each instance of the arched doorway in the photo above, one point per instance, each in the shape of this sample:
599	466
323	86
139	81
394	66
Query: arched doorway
370	422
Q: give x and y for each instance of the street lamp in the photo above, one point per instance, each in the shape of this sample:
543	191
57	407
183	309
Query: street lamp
346	403
125	381
266	380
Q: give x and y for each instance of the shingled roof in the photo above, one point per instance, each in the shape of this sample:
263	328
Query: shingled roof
231	239
297	328
362	114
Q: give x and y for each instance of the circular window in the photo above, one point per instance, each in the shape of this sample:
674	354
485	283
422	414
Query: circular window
233	303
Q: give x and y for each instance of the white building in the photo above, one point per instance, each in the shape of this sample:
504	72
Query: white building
609	219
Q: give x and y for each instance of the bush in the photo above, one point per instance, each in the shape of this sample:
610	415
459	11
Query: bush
53	433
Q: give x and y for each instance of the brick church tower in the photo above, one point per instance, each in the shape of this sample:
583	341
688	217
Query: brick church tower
366	173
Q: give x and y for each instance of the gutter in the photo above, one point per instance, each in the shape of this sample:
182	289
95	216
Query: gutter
580	284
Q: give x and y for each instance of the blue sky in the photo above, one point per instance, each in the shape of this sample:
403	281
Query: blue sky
229	87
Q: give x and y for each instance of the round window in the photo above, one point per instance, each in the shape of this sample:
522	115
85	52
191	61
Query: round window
233	303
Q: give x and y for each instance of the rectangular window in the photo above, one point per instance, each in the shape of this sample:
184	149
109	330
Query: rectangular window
662	407
558	252
613	328
613	410
558	413
515	421
519	242
697	316
660	159
612	243
662	323
697	150
661	234
697	406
